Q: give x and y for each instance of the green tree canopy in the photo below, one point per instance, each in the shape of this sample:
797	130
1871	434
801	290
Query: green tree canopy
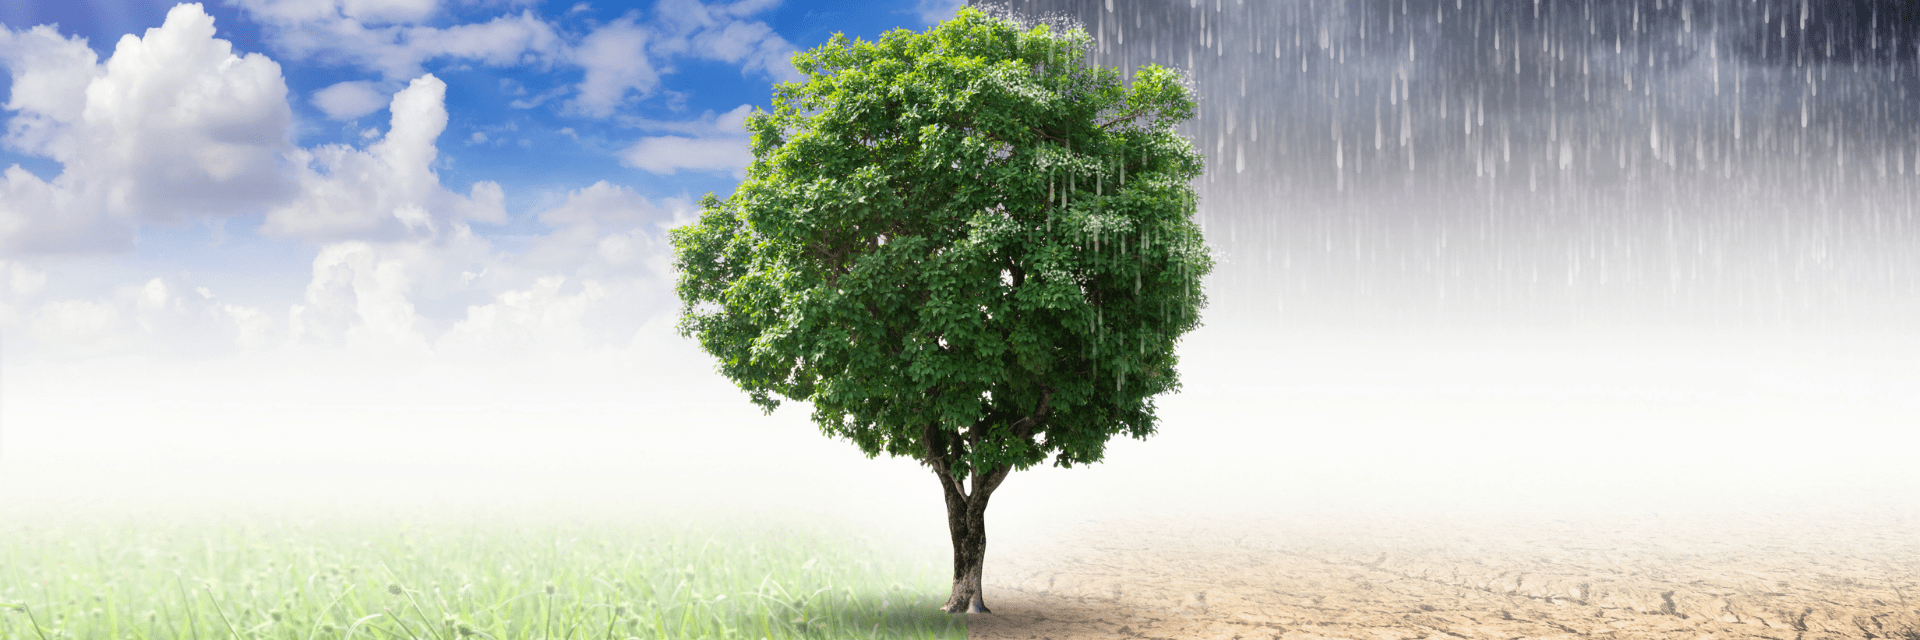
969	246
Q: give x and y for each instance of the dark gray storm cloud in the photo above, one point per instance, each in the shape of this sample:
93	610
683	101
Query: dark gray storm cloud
1750	162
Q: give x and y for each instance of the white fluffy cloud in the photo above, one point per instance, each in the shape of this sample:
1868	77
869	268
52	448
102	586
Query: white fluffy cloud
545	317
360	294
159	316
388	191
20	286
607	229
387	10
618	60
369	11
173	125
50	78
600	275
615	60
379	35
349	100
718	143
721	32
628	57
667	154
594	281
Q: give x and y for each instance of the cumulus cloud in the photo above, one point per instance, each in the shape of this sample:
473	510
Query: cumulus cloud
626	56
360	294
388	191
379	35
744	8
720	32
668	154
607	228
20	285
50	77
387	10
173	125
397	258
181	123
349	100
614	57
369	11
593	282
603	272
38	217
543	317
618	60
502	41
719	143
158	316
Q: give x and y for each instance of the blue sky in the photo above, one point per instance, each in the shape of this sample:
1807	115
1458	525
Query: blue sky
253	238
206	156
522	105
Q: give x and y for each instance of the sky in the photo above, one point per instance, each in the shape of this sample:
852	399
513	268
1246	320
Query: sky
274	244
414	250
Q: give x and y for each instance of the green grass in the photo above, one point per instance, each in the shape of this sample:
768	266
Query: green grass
253	577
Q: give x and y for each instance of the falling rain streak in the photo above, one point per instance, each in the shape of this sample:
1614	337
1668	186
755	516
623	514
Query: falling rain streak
1751	163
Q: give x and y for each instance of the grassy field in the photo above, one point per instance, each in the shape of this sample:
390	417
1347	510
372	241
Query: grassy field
210	577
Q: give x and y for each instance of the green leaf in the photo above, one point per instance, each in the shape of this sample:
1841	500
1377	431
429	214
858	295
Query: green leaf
952	228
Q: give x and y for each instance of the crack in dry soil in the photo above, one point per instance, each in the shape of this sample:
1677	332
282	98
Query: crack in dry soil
1756	577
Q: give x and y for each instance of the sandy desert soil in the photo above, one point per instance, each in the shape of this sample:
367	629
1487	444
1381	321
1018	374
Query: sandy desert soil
1690	577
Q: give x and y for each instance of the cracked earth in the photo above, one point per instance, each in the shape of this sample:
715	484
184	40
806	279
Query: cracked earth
1754	576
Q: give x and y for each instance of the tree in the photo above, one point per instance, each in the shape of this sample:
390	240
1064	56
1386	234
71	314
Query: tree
968	245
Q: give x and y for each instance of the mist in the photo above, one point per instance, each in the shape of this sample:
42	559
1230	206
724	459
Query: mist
1538	260
1273	422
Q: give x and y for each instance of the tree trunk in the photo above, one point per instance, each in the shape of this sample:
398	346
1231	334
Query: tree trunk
967	510
966	522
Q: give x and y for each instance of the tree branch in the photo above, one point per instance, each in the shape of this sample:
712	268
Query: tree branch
1130	115
834	259
1024	427
939	457
984	484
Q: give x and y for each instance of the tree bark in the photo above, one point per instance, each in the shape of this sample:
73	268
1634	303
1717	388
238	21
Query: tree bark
967	523
967	510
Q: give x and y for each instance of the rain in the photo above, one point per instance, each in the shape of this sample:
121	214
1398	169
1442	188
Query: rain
1594	254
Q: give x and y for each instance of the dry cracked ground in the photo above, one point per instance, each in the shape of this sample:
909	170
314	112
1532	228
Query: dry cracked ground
1755	576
